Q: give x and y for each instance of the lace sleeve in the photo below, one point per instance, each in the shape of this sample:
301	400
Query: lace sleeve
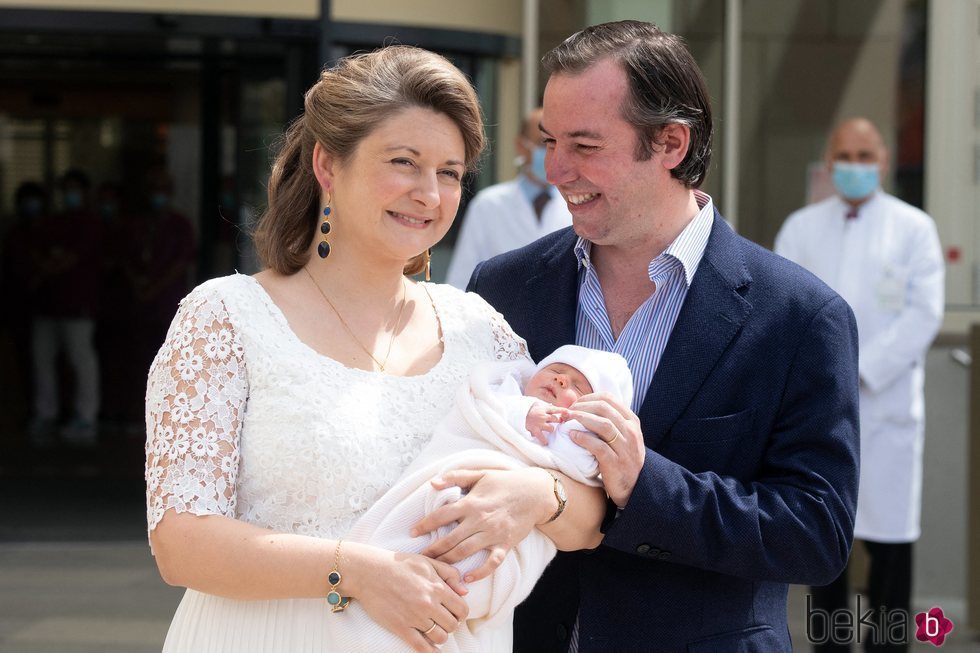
195	399
507	345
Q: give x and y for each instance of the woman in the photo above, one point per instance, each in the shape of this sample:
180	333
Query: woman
282	406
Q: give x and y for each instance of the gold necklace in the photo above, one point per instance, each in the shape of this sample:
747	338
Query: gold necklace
381	364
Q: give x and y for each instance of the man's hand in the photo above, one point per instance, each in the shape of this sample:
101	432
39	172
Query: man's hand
617	444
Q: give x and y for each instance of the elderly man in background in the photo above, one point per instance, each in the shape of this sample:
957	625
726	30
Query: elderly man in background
883	256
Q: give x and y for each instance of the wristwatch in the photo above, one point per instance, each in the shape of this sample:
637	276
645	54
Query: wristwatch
559	495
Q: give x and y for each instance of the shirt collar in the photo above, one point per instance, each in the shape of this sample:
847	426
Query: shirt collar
862	208
687	249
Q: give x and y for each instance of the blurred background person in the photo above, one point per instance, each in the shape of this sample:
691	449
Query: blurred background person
155	254
66	252
113	327
30	206
884	258
108	202
511	214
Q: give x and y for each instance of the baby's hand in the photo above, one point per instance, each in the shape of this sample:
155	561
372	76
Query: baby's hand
540	419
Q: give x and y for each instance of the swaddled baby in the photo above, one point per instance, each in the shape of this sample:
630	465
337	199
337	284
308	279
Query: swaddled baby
571	371
490	426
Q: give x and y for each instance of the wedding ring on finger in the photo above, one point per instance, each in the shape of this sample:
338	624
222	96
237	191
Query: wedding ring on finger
429	629
614	438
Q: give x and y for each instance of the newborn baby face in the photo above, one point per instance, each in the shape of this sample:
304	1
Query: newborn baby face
558	384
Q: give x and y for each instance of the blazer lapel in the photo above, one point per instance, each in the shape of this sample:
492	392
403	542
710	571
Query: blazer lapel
712	314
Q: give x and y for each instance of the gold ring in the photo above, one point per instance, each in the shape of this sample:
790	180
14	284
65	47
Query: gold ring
430	629
614	438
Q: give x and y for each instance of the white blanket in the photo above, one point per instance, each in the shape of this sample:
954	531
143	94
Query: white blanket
475	434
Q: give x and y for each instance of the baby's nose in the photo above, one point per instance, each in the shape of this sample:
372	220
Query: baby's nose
562	381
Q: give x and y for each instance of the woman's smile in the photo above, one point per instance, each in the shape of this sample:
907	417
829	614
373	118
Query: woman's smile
409	220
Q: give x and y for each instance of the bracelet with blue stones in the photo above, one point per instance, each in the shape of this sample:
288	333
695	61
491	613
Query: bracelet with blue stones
337	602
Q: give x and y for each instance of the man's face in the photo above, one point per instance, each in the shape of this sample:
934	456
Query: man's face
529	140
591	156
856	159
531	136
857	142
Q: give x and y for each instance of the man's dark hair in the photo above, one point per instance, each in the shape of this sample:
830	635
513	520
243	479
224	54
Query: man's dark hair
665	85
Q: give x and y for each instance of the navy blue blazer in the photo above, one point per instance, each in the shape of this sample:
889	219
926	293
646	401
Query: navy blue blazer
751	471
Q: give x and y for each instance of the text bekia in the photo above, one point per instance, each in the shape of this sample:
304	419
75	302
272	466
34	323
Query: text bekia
882	626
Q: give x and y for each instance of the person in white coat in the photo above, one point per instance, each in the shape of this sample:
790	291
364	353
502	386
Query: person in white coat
511	214
884	258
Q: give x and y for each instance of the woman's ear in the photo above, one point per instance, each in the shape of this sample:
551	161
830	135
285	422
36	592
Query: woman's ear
323	167
675	139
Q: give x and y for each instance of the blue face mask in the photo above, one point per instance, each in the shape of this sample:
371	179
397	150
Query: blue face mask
108	210
855	181
537	164
159	201
72	199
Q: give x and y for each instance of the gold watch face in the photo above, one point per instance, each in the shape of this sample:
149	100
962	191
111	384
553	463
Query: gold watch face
560	490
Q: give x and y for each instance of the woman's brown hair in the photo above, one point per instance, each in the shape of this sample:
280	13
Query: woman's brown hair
347	103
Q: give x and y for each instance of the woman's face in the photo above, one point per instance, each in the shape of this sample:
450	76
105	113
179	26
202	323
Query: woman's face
398	194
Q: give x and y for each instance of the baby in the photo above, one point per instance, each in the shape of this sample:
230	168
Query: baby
498	414
539	410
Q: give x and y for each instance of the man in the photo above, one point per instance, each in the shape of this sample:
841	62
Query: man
155	254
66	252
506	216
883	256
737	472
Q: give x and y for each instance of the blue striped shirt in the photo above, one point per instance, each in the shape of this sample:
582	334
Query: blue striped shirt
645	335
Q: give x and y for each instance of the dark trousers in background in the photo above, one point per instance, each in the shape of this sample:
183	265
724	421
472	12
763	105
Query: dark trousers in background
889	585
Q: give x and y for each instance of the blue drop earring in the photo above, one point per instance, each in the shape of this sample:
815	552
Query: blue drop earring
323	249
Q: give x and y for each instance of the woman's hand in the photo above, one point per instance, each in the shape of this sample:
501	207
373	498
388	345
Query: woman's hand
416	598
498	511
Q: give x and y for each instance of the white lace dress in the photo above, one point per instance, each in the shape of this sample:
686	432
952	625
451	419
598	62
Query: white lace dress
247	421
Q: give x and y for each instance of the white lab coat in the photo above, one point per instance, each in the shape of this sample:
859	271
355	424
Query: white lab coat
888	265
498	219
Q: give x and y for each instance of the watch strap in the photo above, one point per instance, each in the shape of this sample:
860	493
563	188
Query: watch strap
560	495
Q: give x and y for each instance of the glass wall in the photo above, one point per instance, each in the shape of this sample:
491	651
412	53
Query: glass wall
164	115
172	134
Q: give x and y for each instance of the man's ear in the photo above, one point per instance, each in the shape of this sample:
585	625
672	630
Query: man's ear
323	167
675	140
